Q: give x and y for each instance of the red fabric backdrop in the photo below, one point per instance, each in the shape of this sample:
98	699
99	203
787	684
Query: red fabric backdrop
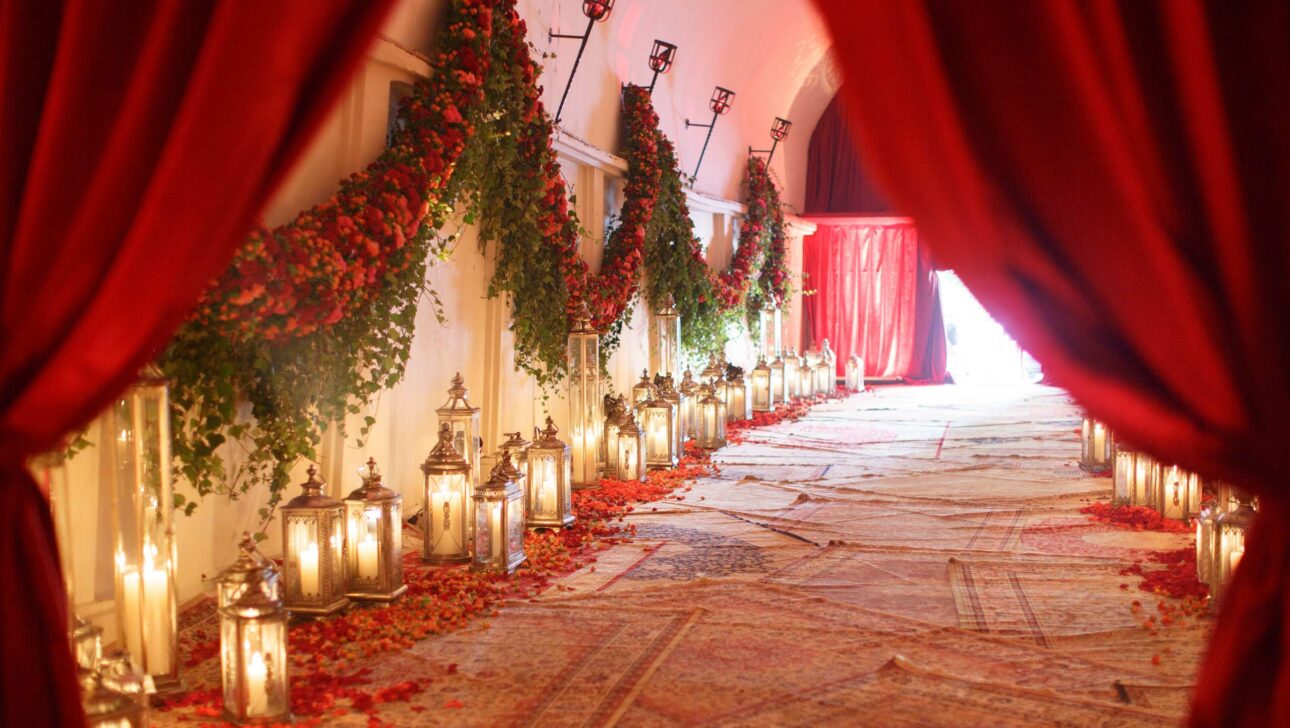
875	294
1111	180
138	143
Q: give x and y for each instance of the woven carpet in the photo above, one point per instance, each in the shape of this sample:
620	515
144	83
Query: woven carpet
911	556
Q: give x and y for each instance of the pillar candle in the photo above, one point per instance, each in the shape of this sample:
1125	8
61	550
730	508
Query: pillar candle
309	569
257	694
367	558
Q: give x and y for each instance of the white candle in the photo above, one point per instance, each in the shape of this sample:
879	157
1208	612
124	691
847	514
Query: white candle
445	515
309	569
257	693
546	496
367	558
154	620
495	528
1099	441
1235	558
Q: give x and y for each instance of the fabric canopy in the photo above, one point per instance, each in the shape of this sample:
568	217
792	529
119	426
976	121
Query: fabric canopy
138	143
836	180
1111	180
874	293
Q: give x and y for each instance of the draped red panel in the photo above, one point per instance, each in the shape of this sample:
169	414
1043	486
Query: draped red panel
836	180
875	295
1110	179
138	143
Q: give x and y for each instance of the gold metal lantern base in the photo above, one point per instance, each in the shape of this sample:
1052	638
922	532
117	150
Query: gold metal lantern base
565	522
441	560
165	685
267	720
385	597
323	610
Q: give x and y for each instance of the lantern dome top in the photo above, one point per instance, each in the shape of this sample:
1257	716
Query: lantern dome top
254	601
499	479
629	426
444	457
513	473
151	374
457	402
98	700
761	365
548	439
669	306
667	389
372	489
514	441
582	320
249	561
312	495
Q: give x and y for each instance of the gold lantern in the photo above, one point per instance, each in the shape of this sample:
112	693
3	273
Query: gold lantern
1096	445
143	505
87	643
445	530
1230	531
680	403
549	501
763	393
105	707
313	551
586	407
464	420
792	374
1177	493
253	658
499	520
665	339
689	390
721	389
712	371
769	324
631	446
660	433
232	581
712	421
828	369
616	414
374	539
1133	478
855	373
642	390
736	396
1205	521
778	384
806	377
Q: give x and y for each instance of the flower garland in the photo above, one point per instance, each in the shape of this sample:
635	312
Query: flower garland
315	317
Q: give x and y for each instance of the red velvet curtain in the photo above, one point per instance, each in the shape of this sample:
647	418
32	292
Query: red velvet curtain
875	294
138	142
836	180
1111	180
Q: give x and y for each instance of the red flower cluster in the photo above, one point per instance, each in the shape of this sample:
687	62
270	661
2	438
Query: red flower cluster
1176	578
1139	518
334	258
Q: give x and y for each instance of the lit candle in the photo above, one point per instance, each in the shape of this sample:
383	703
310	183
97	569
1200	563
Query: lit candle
495	527
447	511
257	694
154	620
1099	440
309	569
367	559
1235	558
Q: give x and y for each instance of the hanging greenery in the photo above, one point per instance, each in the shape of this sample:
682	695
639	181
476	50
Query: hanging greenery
314	318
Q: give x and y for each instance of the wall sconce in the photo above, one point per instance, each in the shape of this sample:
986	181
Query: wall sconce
778	133
720	103
595	10
660	60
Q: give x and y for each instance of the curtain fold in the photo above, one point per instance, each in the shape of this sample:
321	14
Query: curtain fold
1110	179
875	294
137	145
836	180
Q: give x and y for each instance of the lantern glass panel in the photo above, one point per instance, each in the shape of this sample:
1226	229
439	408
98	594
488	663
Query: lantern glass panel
643	390
690	389
1231	528
1095	449
806	381
146	600
737	399
1122	475
778	387
1177	493
630	447
1146	475
665	340
792	375
763	399
499	524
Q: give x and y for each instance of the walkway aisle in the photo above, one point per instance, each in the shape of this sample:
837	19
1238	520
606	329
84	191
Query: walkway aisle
913	556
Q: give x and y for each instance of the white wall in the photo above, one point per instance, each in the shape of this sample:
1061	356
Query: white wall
474	341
